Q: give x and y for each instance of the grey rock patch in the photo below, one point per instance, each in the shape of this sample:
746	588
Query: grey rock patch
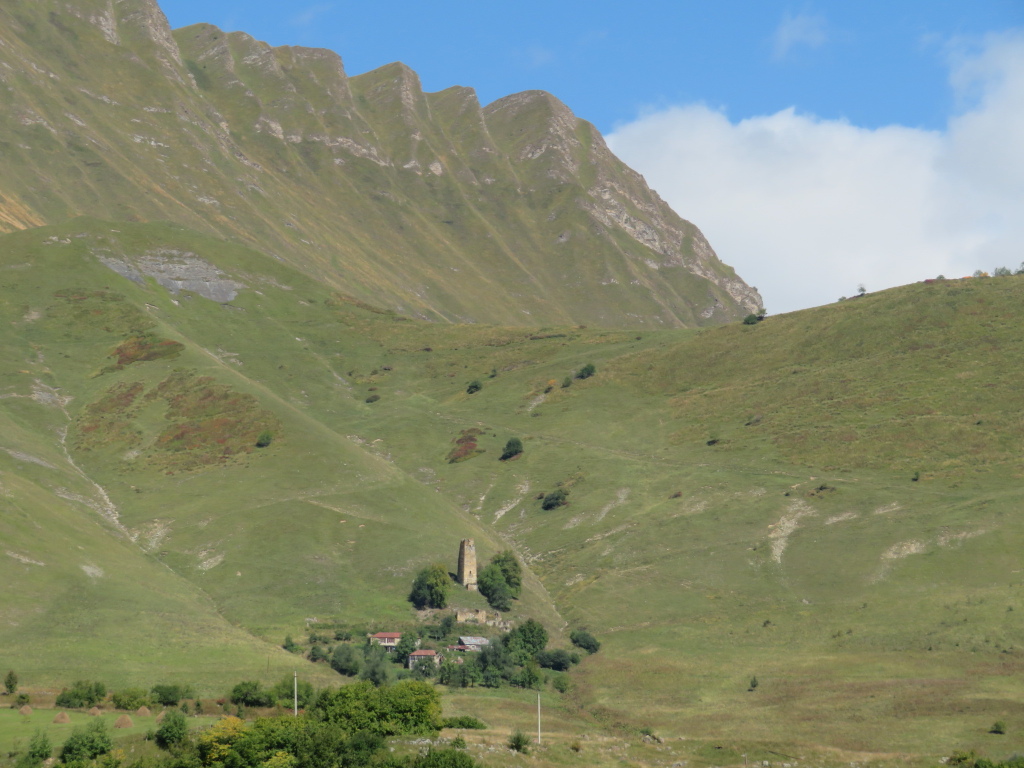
177	271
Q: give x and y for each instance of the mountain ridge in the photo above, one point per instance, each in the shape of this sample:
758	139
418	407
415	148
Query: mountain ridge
426	203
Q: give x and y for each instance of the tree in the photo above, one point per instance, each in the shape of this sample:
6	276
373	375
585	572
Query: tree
172	730
530	635
492	585
11	683
171	695
586	371
583	639
406	645
376	669
511	569
513	448
285	688
751	319
250	693
430	587
39	750
345	660
87	743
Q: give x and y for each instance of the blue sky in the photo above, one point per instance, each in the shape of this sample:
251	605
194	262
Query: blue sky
734	109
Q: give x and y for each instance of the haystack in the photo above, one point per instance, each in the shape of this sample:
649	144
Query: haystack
160	717
143	712
95	711
25	710
62	717
123	722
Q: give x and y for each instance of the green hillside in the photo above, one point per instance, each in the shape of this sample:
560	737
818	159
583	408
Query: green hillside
742	501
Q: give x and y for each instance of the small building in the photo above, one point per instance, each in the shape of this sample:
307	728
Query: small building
421	657
474	643
387	640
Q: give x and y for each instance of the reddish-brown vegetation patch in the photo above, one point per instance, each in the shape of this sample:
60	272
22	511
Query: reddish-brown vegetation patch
109	421
143	347
210	422
465	446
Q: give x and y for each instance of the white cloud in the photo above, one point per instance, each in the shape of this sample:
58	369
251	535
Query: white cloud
308	15
806	209
801	29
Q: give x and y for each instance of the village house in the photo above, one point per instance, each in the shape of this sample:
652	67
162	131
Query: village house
473	643
419	657
387	640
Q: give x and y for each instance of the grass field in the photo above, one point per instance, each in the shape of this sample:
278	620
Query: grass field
826	500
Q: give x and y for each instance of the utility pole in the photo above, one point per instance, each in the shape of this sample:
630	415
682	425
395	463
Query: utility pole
538	719
296	693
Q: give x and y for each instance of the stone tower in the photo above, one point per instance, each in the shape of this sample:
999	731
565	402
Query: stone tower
467	564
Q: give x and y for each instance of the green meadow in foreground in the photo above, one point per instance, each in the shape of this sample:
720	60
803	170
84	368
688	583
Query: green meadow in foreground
825	501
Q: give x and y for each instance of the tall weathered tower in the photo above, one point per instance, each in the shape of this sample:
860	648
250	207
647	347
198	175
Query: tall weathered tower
467	564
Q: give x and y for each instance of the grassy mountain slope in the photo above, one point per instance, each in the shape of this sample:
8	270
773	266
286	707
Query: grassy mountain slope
516	213
741	499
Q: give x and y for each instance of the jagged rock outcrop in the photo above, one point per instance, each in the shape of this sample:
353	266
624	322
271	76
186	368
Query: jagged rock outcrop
426	203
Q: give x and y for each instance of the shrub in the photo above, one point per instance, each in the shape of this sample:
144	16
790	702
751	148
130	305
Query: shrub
518	741
466	722
373	398
458	743
583	639
556	498
513	447
753	683
559	660
751	319
567	382
474	387
998	727
87	743
82	694
290	645
560	682
172	730
430	587
586	371
250	693
130	698
171	695
450	757
264	439
21	700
